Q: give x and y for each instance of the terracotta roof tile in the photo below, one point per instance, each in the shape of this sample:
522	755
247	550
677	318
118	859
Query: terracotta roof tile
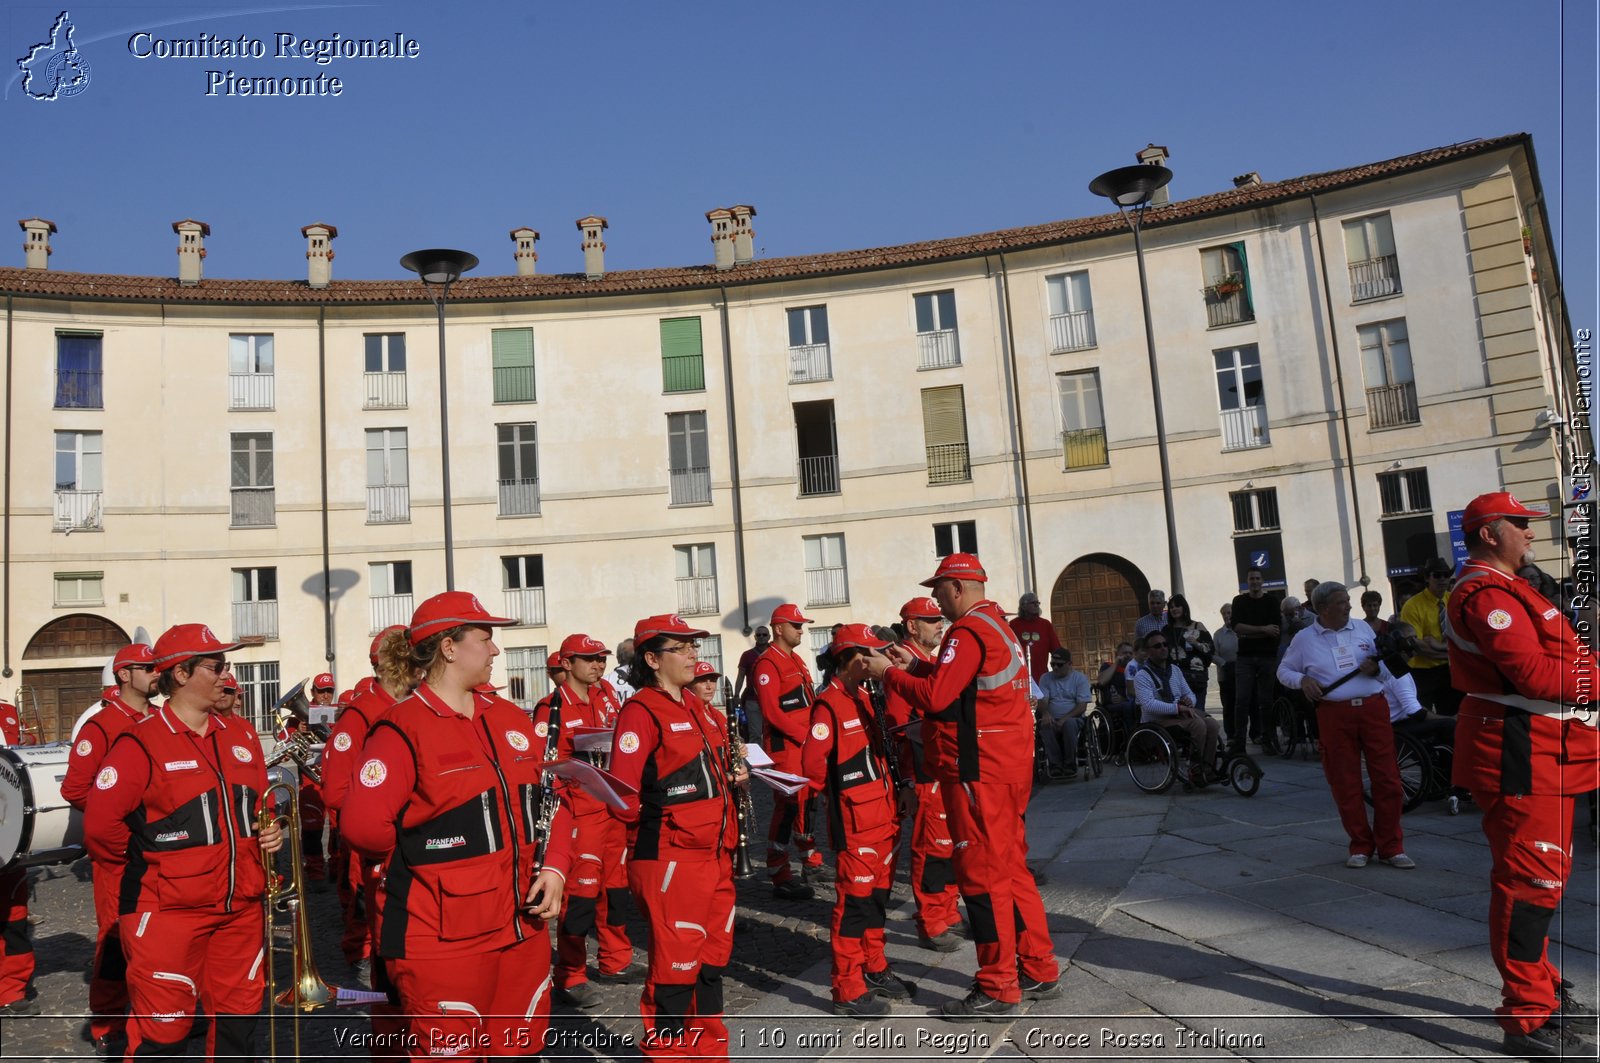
57	284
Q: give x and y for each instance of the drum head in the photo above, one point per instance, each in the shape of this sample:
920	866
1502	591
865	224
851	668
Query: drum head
15	795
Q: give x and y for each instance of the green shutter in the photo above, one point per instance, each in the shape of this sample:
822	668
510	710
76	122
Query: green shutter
682	364
513	365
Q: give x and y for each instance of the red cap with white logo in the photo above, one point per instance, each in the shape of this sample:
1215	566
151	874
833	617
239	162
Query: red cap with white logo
856	637
920	609
134	653
665	624
583	646
450	610
1486	509
323	681
789	614
183	641
958	566
705	669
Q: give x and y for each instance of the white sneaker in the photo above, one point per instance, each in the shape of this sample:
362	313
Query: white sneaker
1400	860
1357	860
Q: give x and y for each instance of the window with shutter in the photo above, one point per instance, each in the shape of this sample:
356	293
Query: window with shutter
944	429
513	365
682	364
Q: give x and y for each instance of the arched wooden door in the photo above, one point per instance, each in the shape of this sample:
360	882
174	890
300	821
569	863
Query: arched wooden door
53	691
1094	605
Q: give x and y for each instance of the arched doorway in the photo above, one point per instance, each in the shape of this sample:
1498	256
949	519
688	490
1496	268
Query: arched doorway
1094	605
54	697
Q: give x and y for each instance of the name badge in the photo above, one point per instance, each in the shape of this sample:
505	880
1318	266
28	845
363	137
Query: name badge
1344	656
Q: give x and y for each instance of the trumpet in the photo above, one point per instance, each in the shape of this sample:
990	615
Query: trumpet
738	764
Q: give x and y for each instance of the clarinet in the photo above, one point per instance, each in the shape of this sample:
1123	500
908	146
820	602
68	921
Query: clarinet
891	746
737	762
547	790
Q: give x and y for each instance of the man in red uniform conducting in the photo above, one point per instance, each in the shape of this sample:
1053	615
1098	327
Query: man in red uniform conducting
843	758
598	881
784	691
933	876
108	985
1526	745
978	744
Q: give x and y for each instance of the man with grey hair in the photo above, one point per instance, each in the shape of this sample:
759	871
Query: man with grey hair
1036	634
1156	618
1334	664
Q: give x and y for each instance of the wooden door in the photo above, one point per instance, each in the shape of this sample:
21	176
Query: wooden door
1095	604
60	696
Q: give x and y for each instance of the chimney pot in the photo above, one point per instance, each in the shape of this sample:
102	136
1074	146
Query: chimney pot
191	249
319	253
594	247
743	235
1156	155
526	256
36	243
1247	180
721	220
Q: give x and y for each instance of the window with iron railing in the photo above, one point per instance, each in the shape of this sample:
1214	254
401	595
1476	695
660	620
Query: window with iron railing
938	345
808	345
389	593
255	603
682	360
388	476
527	679
688	459
518	452
254	500
817	447
385	375
944	429
78	465
1374	266
1227	290
1404	492
696	579
826	579
78	371
259	690
1071	312
1083	432
1255	509
1386	364
522	576
251	372
513	365
1241	397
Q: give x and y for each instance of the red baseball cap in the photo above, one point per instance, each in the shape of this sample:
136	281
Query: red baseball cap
856	636
921	609
323	681
583	646
451	609
1486	509
665	624
958	566
377	640
703	669
556	662
365	684
789	614
183	641
229	683
134	653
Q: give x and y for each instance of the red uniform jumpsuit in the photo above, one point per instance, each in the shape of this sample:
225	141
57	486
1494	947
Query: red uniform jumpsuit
683	826
784	691
452	803
599	879
16	945
1526	744
933	875
176	812
979	747
841	757
108	978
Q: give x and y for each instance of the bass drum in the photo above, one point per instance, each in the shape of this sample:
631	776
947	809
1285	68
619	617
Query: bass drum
37	826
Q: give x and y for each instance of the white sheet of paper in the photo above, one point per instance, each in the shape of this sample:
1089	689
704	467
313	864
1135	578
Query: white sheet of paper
781	781
757	756
602	784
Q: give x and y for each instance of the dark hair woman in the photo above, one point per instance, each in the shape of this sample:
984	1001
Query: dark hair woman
1189	646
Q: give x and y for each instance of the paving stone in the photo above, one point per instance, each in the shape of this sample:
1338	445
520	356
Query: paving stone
1295	889
1410	929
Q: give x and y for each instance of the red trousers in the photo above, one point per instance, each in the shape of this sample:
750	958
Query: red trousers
593	900
388	1022
108	979
1004	908
1530	843
16	946
689	905
356	942
864	876
791	817
180	958
477	1006
933	876
1348	733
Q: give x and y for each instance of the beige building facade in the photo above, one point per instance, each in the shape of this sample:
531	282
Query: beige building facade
1345	359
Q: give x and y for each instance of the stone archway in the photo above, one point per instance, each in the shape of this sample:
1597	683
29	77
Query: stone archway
53	692
1094	605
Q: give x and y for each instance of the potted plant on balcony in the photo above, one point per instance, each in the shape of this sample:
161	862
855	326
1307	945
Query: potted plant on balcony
1226	286
1527	240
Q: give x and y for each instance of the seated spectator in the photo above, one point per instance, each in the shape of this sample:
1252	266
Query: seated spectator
1064	696
1165	698
1114	692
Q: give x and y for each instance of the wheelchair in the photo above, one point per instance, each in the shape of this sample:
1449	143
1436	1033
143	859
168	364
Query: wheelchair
1292	725
1155	757
1424	772
1091	759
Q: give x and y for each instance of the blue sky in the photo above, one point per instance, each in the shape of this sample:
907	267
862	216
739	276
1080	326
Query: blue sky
846	124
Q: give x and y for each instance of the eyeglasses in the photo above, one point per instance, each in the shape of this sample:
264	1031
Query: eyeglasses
215	666
687	649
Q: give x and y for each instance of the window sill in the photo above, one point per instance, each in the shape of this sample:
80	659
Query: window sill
382	523
809	380
1231	324
947	483
371	406
512	516
684	391
252	409
1406	513
689	505
819	494
79	605
827	605
99	407
1085	468
1248	446
1376	298
75	531
1075	350
936	368
1375	429
1257	531
516	402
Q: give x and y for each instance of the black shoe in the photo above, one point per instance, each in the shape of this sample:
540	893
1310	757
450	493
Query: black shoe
110	1046
868	1005
977	1006
948	941
1573	1013
816	873
1546	1042
630	975
889	984
1036	990
791	890
582	995
361	973
20	1006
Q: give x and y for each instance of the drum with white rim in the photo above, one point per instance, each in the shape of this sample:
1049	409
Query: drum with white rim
37	826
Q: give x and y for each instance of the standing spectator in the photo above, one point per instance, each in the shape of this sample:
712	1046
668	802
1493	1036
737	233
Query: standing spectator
744	693
1296	618
1257	622
1431	666
1524	755
1036	634
1310	585
1372	605
618	677
1226	654
1189	647
1334	664
1155	619
1065	696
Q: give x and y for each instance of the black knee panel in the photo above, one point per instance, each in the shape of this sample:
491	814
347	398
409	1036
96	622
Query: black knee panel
1530	925
708	991
162	1049
880	899
113	964
672	1007
858	915
579	919
980	916
236	1035
938	874
18	941
616	906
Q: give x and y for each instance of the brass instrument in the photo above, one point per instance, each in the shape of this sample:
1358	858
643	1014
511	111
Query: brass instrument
738	764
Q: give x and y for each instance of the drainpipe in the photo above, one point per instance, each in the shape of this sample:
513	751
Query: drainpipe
733	465
322	439
5	605
1344	410
1024	497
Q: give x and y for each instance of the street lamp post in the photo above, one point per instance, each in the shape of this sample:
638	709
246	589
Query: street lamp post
1132	186
439	268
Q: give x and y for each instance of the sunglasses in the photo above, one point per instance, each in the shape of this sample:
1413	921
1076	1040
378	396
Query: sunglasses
1518	522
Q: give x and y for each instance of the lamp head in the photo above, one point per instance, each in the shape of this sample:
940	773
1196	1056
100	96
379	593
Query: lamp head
439	265
1131	186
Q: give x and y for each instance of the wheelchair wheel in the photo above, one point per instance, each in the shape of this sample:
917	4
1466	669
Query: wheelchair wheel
1245	775
1290	725
1443	758
1152	760
1103	733
1416	768
1091	750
